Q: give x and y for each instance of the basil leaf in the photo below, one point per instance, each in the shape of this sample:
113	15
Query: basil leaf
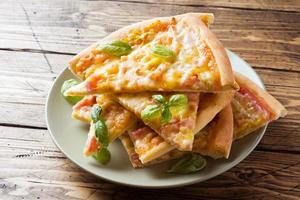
166	115
190	163
101	133
116	48
164	52
102	156
159	98
66	85
150	112
96	112
178	100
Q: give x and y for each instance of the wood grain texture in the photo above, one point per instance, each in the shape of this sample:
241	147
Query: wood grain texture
266	5
68	26
32	167
37	38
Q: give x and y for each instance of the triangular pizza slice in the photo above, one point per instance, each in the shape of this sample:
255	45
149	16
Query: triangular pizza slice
134	157
117	119
171	115
175	53
253	107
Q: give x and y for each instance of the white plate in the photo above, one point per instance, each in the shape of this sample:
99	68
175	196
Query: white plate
70	136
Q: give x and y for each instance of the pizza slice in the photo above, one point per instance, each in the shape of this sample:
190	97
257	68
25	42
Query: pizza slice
171	115
117	119
135	158
175	53
253	107
151	145
215	138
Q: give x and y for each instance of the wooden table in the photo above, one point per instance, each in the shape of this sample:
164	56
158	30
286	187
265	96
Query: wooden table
37	38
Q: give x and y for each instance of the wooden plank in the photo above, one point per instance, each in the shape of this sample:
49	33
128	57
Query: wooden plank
31	167
271	38
281	5
25	80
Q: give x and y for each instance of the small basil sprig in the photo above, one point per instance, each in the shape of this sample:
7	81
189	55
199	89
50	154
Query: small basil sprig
163	107
116	48
102	156
66	85
190	163
164	52
101	133
96	112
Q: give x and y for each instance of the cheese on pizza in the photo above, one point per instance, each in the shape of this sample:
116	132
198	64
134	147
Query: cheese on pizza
82	109
253	107
179	131
117	118
168	54
139	144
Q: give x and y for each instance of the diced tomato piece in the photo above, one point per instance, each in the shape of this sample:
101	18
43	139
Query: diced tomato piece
91	146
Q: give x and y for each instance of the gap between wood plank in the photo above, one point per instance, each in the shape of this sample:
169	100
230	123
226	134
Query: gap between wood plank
206	6
263	149
22	126
37	51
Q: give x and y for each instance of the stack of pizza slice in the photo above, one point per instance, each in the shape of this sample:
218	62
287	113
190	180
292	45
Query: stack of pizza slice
166	89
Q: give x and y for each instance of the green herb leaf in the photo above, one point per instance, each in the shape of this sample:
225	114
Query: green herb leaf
190	163
178	100
150	112
101	133
66	85
159	98
164	52
166	115
96	112
116	48
102	156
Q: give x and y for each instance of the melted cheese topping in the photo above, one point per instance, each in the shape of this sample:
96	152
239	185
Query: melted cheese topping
82	110
145	139
150	147
117	119
248	112
194	68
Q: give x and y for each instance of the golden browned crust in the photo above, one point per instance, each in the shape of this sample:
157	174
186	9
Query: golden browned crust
217	142
207	19
218	51
134	157
129	147
210	104
275	106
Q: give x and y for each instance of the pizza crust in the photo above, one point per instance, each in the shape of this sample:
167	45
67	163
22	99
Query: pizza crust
210	105
218	142
206	17
275	106
137	162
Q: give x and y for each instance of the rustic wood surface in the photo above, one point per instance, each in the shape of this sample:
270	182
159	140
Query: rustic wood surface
38	37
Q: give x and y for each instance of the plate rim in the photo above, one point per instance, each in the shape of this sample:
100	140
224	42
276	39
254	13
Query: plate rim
226	168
